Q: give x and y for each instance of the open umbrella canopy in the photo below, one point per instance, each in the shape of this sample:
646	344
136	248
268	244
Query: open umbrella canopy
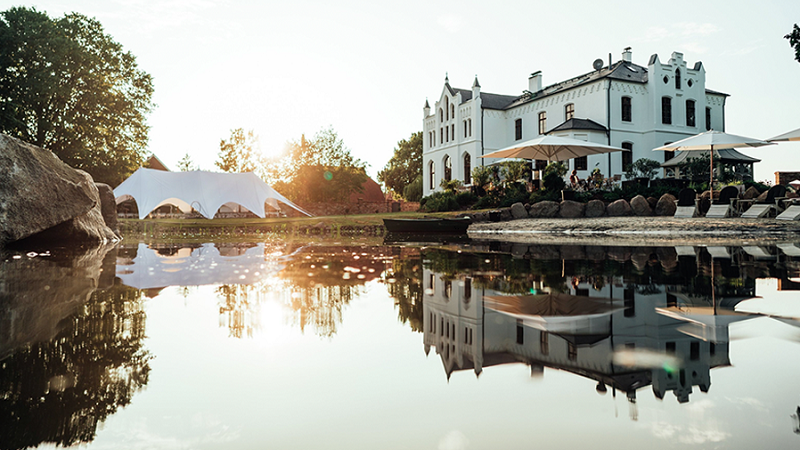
712	140
553	304
552	148
790	136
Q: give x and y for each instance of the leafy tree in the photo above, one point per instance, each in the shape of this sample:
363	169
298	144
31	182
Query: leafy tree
67	86
405	165
481	177
186	164
794	41
696	168
554	176
317	170
413	192
643	168
239	153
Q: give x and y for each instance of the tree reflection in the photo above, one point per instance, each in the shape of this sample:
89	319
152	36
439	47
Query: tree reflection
59	391
405	287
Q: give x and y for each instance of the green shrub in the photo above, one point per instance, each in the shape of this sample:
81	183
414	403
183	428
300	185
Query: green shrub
439	201
413	192
465	199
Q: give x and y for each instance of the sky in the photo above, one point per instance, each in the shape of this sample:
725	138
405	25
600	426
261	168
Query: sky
365	68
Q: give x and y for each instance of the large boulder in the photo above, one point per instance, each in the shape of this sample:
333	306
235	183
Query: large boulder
619	208
38	192
595	208
108	206
570	209
518	211
640	206
666	205
544	210
750	193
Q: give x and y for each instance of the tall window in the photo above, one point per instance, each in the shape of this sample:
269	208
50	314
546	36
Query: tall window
432	176
467	169
581	163
441	136
708	119
465	128
448	168
626	109
441	115
542	122
677	78
518	129
469	125
690	113
447	134
627	156
453	131
446	108
666	110
452	111
569	111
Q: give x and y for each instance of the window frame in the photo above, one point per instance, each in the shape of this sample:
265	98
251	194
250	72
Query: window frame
569	111
466	161
626	111
666	110
580	163
448	168
691	119
432	175
627	154
542	122
518	129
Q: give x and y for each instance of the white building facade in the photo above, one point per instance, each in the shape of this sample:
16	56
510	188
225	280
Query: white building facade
624	104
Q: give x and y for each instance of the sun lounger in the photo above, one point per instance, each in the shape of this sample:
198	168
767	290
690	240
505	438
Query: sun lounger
791	213
685	250
757	252
721	207
770	207
719	252
789	249
687	204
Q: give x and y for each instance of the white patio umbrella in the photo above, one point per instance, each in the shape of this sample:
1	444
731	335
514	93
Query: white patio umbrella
710	141
552	148
790	136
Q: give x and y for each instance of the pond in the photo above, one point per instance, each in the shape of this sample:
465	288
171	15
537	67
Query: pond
437	345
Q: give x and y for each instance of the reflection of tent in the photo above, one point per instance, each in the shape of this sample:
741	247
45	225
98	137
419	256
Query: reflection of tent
203	191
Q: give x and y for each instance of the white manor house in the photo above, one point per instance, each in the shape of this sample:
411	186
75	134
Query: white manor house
623	104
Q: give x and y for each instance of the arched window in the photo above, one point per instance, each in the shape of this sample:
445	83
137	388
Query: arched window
432	176
441	136
453	131
690	121
446	108
666	110
518	129
448	168
467	169
626	109
542	122
465	128
569	111
452	111
441	115
469	126
677	78
627	156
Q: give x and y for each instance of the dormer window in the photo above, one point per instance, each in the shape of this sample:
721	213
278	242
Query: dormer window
677	78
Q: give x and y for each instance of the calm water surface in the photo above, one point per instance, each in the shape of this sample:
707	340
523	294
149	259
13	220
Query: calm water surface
470	345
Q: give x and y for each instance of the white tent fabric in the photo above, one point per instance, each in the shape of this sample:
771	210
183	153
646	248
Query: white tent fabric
203	191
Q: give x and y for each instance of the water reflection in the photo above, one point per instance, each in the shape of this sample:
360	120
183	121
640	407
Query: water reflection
71	350
627	318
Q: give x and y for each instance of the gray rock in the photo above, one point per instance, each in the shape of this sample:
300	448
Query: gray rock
652	201
762	197
570	209
595	208
544	210
518	211
108	206
480	217
505	214
38	192
666	205
619	208
640	206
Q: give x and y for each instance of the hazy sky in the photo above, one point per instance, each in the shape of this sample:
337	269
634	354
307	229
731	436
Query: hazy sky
366	68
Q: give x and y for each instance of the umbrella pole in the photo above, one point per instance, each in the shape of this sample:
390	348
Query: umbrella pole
711	183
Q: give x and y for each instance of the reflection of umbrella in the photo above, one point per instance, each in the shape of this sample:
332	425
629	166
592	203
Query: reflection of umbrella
712	140
704	321
790	136
549	304
552	148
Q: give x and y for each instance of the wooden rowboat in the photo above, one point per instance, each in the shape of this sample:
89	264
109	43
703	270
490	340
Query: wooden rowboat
456	225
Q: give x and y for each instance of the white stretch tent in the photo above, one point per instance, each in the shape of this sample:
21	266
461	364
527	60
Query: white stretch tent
203	191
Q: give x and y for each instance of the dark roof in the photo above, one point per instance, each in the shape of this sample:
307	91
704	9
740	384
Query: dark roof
578	124
726	156
709	91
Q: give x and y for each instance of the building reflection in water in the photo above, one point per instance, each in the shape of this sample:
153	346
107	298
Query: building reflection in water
71	346
627	318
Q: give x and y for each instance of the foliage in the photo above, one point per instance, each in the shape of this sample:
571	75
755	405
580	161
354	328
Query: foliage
413	192
451	185
515	193
481	177
317	170
554	176
67	86
186	164
465	199
643	168
794	41
696	168
514	171
439	201
405	165
239	153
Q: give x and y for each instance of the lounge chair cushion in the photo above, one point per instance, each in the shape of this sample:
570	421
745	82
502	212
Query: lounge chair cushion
791	213
719	211
758	211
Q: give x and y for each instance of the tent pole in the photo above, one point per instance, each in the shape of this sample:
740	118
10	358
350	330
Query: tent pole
711	184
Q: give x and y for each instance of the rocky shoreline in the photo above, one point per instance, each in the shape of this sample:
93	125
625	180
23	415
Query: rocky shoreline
652	230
